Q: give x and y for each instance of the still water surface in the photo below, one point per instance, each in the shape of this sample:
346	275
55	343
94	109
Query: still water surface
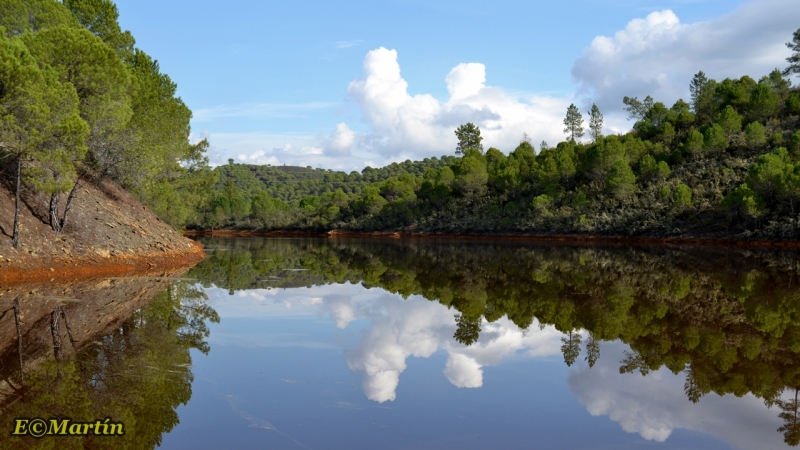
369	343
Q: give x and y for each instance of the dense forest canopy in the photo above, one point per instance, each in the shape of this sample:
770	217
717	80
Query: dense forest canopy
79	102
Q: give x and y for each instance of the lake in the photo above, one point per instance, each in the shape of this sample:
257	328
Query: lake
416	343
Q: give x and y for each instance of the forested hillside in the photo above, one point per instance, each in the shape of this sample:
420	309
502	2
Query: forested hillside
80	103
725	163
252	195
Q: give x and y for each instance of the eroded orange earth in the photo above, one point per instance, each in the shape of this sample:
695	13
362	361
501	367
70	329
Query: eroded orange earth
108	232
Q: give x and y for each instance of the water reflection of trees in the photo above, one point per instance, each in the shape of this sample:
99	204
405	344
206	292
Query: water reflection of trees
728	319
138	373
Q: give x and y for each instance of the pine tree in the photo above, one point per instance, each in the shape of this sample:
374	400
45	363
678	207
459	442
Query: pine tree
469	138
592	350
696	89
794	60
571	347
573	123
595	123
702	90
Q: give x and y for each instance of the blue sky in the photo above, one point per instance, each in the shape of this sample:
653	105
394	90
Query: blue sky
342	85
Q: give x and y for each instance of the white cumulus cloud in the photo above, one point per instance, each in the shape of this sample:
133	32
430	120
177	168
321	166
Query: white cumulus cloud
340	141
419	126
658	55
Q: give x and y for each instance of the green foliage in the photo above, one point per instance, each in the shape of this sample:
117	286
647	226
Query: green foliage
682	117
795	143
621	180
694	143
715	139
730	121
542	202
100	17
793	104
777	139
39	118
104	110
744	201
775	177
581	200
681	168
697	154
471	175
794	59
651	169
755	135
469	138
573	123
683	195
186	191
734	93
702	90
636	109
19	16
764	103
595	122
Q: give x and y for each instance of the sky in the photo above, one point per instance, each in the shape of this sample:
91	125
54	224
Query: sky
345	85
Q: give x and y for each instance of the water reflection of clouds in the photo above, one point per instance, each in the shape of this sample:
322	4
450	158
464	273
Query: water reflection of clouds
655	405
418	327
398	330
652	406
260	303
499	340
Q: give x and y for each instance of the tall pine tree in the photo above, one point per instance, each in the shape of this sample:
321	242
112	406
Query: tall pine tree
595	122
573	123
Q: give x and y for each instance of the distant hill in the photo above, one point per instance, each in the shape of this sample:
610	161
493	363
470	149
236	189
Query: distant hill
291	184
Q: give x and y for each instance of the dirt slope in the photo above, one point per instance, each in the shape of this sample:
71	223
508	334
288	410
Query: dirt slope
108	232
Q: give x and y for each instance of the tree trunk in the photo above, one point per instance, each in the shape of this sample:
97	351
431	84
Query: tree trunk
63	222
56	332
69	330
15	237
19	342
55	223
